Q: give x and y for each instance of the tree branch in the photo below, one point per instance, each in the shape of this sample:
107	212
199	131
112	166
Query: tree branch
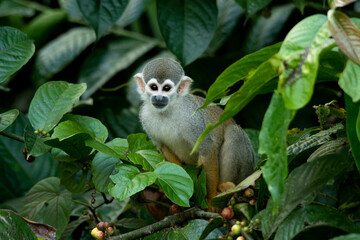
165	223
12	136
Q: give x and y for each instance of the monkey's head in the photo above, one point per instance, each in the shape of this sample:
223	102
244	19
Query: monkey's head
162	82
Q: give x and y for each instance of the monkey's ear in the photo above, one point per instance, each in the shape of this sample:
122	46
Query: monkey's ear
184	86
140	82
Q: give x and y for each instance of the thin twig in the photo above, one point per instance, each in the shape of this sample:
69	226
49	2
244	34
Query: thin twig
165	223
12	136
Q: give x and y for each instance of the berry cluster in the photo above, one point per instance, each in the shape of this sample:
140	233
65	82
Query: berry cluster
102	230
236	228
42	133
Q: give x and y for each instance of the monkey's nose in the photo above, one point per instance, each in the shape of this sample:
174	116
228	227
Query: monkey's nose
159	101
159	98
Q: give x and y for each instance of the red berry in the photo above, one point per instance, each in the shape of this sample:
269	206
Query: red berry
249	192
227	213
175	209
107	224
30	159
100	226
252	202
110	231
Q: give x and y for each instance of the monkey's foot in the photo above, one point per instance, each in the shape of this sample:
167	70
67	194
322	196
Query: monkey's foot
225	186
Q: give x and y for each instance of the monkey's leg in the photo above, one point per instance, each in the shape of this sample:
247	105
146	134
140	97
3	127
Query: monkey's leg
169	155
210	164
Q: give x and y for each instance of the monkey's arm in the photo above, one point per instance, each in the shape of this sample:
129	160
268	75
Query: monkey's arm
169	155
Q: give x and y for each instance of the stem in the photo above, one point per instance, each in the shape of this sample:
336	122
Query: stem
166	222
13	136
92	210
34	5
135	35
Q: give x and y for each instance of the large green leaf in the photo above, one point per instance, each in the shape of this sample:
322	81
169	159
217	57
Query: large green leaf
252	6
266	30
302	186
132	11
238	71
262	75
104	63
349	80
102	14
345	33
7	118
187	26
314	216
61	51
9	7
229	13
51	101
139	142
16	174
175	182
72	135
103	165
195	228
58	203
128	180
272	141
15	51
13	227
146	158
352	124
76	177
300	54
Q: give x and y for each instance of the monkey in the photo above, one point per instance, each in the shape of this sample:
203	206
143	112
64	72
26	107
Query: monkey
171	118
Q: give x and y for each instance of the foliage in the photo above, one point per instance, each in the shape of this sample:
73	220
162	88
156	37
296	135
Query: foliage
72	151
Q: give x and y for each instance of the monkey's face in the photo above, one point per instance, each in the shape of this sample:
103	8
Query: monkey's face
160	93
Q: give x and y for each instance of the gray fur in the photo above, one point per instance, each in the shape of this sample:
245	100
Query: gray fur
162	69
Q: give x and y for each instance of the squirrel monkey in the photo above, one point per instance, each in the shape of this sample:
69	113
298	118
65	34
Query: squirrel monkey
169	117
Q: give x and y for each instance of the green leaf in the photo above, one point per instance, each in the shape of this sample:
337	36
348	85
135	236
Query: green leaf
302	186
146	158
238	71
104	63
228	15
315	140
74	146
128	180
266	30
75	124
102	14
139	142
7	118
187	26
76	177
349	80
195	228
103	164
300	54
314	216
9	7
58	203
34	144
17	175
51	101
175	182
58	53
352	125
200	190
16	49
262	75
345	33
252	6
45	25
13	227
73	11
351	236
132	12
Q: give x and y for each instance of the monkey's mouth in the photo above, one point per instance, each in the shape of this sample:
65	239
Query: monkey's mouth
159	105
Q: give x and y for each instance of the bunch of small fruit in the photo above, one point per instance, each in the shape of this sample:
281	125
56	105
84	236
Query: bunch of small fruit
240	229
102	230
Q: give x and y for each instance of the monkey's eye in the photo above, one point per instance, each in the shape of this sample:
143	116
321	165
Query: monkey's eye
153	87
166	88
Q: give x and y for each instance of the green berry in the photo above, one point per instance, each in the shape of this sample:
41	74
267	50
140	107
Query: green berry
236	229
